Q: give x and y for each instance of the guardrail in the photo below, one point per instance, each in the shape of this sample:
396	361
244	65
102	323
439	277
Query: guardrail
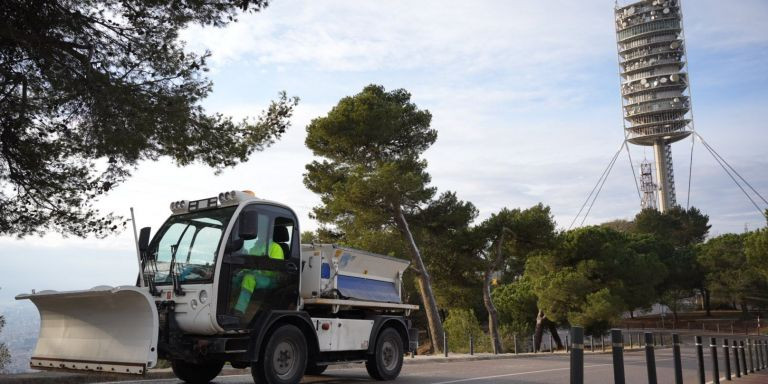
750	355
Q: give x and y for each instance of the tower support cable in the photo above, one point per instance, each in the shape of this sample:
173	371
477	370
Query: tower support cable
728	172
733	169
599	180
610	167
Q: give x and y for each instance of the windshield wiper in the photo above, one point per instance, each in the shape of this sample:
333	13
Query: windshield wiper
172	269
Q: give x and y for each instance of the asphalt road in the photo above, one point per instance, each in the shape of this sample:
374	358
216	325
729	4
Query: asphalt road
521	369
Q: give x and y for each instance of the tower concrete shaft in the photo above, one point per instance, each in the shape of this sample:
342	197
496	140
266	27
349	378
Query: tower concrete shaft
665	179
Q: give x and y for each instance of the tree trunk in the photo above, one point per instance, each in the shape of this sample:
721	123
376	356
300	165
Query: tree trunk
543	322
425	284
539	331
707	309
493	315
553	331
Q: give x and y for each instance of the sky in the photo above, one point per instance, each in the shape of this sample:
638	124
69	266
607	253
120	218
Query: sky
524	96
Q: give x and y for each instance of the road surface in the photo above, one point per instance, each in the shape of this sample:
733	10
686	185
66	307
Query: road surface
529	369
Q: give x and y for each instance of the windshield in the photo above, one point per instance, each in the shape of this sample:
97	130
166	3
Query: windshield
194	238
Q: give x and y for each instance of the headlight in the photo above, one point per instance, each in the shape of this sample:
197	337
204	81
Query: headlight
203	296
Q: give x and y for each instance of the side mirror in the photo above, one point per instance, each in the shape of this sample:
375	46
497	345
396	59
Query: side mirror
144	239
234	245
249	225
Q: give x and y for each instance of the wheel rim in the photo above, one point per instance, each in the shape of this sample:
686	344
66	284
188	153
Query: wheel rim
389	355
284	359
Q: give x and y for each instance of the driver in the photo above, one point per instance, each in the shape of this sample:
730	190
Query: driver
253	279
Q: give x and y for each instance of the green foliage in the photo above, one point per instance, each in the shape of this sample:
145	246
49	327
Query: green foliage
756	250
372	142
524	231
601	309
516	304
90	88
674	237
594	275
679	226
459	325
620	225
729	275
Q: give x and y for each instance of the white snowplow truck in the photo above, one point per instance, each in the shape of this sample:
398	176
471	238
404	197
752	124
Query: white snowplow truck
226	279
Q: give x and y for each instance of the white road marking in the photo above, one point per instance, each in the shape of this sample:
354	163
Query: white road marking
525	373
518	374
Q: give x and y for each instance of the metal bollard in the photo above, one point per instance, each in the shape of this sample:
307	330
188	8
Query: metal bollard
765	352
650	359
445	344
750	357
577	355
700	360
514	339
736	363
591	343
630	341
727	359
602	342
471	345
743	358
617	346
715	367
533	343
676	359
551	348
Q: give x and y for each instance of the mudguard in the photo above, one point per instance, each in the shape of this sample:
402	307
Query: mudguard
103	329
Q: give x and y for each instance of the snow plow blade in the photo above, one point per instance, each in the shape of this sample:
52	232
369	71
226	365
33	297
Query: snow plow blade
103	329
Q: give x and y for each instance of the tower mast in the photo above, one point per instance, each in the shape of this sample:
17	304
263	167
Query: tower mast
654	86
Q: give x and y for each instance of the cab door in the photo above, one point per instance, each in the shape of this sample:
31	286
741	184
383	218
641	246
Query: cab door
261	272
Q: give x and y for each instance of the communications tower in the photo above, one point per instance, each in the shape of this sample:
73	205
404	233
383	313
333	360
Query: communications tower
654	84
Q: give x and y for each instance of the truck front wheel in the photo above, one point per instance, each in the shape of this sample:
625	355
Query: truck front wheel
387	359
283	359
196	373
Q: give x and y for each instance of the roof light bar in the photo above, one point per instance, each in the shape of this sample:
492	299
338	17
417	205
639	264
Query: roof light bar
234	197
179	206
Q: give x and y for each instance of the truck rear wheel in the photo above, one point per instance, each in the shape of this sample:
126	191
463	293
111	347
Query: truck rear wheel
283	359
196	373
387	359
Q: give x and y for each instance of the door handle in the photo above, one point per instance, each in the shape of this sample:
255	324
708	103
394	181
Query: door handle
291	268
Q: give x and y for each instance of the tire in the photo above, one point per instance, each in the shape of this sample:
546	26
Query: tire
387	359
314	369
283	358
196	373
